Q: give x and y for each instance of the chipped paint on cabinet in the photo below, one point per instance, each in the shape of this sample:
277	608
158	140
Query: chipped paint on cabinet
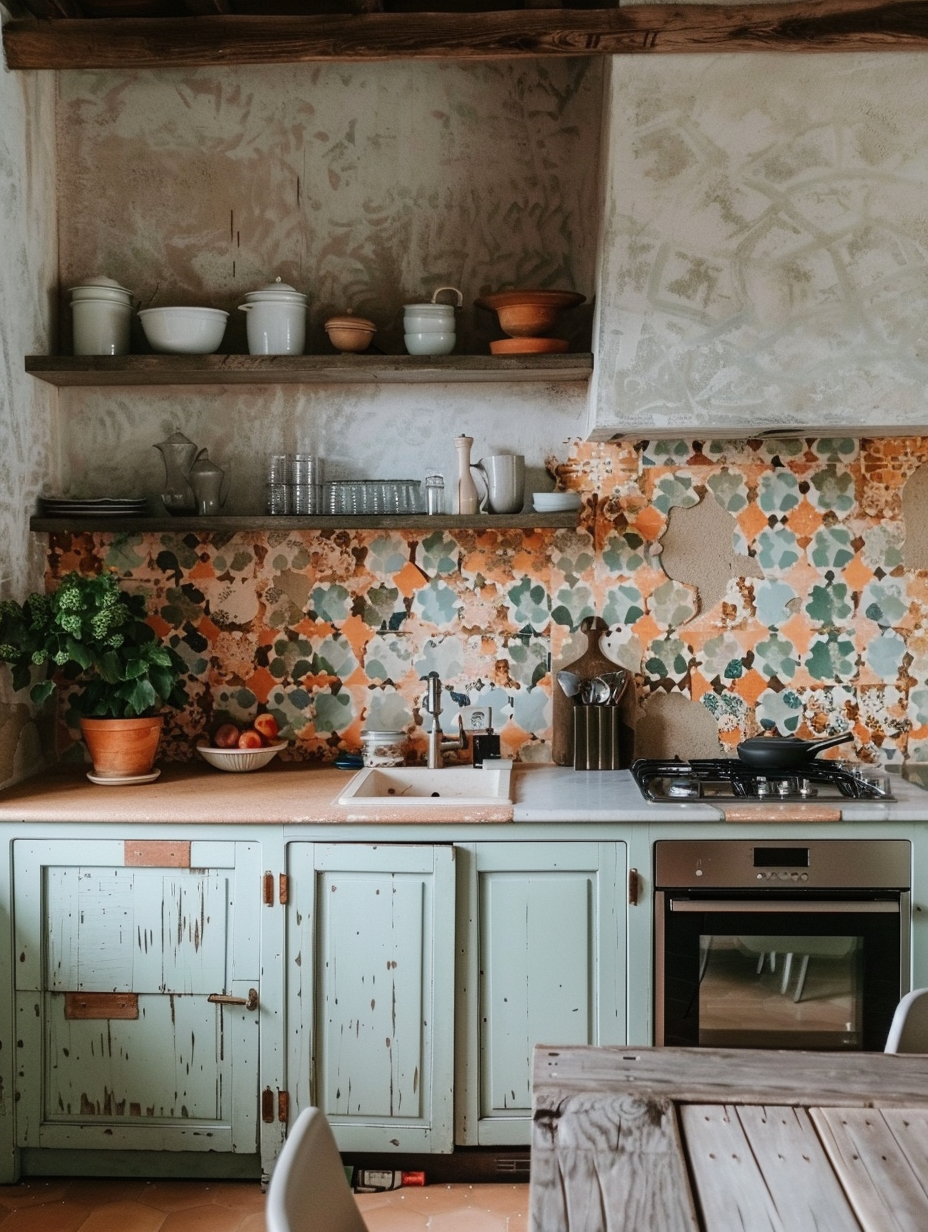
184	1074
370	991
541	959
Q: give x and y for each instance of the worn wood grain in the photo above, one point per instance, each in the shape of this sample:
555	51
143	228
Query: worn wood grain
884	1190
233	523
733	1075
101	1005
106	370
762	1169
131	43
157	853
581	1180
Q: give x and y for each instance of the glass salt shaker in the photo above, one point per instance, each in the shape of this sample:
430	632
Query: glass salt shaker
434	494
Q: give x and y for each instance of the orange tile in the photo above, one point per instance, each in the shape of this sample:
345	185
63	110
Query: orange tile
49	1217
243	1195
254	1223
856	574
752	520
203	1219
99	1191
34	1192
177	1195
410	579
126	1216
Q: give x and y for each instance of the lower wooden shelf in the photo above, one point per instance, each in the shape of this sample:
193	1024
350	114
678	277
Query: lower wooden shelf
266	522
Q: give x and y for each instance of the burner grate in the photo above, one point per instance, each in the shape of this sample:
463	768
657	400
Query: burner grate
747	782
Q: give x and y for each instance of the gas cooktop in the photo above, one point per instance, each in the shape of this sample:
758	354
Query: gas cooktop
727	778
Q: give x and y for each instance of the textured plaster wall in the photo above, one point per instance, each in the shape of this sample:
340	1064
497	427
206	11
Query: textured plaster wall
794	609
28	278
765	256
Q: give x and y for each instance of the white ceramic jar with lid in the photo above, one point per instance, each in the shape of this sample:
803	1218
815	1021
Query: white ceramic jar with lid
382	749
100	313
276	320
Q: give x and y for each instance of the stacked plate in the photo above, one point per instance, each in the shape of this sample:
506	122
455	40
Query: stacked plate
104	507
555	502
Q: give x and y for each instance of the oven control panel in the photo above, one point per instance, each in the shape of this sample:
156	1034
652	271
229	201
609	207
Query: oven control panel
872	864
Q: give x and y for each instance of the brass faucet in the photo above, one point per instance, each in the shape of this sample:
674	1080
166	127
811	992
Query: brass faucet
438	746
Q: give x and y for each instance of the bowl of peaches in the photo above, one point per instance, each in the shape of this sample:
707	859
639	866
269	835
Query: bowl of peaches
240	749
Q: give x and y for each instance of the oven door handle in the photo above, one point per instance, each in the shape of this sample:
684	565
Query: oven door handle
794	907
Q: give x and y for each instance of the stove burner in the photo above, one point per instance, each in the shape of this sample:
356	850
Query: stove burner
729	778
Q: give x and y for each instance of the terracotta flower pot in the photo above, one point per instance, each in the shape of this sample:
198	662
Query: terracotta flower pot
122	748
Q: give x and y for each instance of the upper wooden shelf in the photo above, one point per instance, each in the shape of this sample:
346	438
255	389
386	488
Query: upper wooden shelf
66	370
223	36
230	524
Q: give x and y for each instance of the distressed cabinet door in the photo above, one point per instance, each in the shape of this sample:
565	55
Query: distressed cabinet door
370	992
541	960
116	957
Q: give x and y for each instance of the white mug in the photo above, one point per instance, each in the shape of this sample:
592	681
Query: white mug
503	476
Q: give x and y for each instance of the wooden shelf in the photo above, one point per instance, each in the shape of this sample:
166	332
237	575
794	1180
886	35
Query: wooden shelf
266	522
72	370
74	42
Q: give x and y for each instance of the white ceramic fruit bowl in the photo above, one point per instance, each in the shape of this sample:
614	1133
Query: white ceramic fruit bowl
240	761
184	331
555	502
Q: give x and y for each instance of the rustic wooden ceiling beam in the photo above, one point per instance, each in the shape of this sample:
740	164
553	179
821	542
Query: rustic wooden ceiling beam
806	25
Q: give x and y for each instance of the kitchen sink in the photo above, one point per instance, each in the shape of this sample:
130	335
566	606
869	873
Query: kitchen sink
419	787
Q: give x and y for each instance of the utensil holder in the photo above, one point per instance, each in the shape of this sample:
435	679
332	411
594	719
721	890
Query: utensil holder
597	744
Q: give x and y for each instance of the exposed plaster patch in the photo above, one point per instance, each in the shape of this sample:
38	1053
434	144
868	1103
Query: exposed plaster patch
915	519
20	749
697	550
670	724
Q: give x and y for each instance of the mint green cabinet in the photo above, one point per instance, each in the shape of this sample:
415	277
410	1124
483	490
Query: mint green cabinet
118	1045
370	991
541	958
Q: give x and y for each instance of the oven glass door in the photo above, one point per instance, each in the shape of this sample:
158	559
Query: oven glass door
795	972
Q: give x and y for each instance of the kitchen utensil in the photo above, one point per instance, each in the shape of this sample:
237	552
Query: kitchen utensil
503	476
616	682
178	453
591	663
528	314
210	485
570	682
467	490
240	761
429	328
350	333
276	320
773	752
184	331
529	346
100	314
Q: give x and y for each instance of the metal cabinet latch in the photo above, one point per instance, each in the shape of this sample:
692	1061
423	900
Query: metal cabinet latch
634	887
250	1002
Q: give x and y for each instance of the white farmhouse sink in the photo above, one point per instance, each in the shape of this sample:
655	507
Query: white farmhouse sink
418	787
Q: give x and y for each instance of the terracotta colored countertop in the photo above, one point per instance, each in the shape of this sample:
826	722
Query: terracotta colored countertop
278	794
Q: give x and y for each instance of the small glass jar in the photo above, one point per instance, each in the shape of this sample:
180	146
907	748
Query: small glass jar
382	749
434	494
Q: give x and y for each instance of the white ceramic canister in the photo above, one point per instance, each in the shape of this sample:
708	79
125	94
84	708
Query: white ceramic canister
382	749
100	313
276	320
429	328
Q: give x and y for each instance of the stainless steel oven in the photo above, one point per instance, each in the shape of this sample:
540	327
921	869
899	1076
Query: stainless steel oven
780	944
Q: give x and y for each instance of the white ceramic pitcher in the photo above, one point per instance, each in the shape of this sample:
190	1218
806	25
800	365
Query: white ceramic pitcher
503	476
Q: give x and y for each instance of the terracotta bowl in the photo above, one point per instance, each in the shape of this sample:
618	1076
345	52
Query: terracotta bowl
529	314
350	333
529	346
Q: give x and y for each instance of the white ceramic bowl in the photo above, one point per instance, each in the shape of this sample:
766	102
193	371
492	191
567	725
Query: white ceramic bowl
429	344
240	761
184	331
555	502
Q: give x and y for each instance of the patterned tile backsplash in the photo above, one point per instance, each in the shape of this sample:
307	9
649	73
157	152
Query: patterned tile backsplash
792	593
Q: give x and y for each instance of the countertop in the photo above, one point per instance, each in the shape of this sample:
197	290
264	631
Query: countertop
299	794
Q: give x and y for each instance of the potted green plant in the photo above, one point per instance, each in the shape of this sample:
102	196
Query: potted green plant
93	634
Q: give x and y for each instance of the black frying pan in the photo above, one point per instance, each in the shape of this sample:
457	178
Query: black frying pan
784	752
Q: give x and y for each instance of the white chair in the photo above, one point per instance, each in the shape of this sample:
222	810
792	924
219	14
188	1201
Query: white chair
308	1190
909	1030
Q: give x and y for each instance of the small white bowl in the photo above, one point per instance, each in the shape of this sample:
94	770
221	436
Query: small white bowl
555	502
184	331
429	343
240	761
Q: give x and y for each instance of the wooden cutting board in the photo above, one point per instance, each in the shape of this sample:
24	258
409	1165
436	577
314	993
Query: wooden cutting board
591	663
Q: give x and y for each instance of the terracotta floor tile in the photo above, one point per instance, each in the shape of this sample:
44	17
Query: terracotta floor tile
100	1191
394	1219
203	1219
242	1195
50	1217
124	1216
34	1191
254	1223
178	1195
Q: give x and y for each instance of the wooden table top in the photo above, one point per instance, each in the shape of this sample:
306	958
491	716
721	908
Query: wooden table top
712	1140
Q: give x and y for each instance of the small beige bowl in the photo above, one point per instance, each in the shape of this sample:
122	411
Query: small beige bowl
350	333
240	761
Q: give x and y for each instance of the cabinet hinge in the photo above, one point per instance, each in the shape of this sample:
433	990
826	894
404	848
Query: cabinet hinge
283	889
283	1106
634	887
268	891
267	1106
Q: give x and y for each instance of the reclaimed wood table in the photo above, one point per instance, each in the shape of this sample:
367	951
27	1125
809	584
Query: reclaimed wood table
718	1140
